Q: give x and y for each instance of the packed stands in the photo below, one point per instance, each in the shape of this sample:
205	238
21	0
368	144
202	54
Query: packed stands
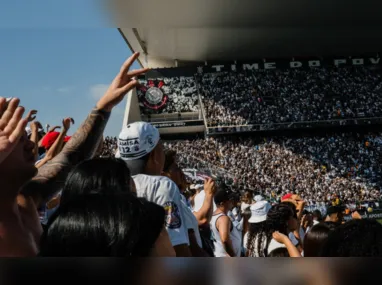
268	97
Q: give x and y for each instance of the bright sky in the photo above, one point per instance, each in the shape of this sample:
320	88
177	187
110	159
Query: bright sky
58	57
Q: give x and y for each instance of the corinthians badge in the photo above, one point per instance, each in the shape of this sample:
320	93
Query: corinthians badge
152	96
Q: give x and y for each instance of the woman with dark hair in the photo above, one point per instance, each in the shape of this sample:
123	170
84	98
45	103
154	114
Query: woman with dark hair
109	174
316	238
280	218
356	238
112	224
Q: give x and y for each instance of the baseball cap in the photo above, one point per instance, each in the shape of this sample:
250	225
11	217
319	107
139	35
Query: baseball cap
259	212
49	139
259	198
224	195
287	196
334	209
137	140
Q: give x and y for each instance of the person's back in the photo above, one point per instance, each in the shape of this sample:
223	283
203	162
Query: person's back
140	147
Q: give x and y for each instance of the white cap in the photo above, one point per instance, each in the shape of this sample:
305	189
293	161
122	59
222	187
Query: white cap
136	140
259	212
259	198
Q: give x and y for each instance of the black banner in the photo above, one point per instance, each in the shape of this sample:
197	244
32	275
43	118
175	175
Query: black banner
178	124
265	64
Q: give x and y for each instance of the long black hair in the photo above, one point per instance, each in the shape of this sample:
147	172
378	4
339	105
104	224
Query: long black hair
260	234
109	174
118	225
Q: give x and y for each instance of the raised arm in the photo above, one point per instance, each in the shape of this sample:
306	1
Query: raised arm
55	149
84	142
203	216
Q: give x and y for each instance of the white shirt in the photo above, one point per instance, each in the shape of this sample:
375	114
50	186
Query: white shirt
191	221
164	192
199	200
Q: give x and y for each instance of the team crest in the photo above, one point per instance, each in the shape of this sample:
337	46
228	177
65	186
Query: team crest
152	95
173	220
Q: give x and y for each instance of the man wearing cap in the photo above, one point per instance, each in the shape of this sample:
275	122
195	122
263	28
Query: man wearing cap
140	147
335	214
227	239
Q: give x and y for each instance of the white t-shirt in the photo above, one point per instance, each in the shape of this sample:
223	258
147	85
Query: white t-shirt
164	192
199	200
272	245
190	220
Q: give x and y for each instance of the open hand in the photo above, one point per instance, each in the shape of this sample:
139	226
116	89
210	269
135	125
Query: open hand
66	123
12	126
122	83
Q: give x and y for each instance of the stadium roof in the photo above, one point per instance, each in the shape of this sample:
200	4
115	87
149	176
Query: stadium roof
221	30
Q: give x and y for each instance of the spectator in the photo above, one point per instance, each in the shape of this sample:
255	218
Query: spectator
106	223
227	239
280	218
356	238
24	191
316	238
140	147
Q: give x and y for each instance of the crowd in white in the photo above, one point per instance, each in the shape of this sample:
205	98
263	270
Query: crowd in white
294	95
318	168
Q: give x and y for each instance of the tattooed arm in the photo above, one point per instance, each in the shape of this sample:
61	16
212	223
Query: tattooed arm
84	142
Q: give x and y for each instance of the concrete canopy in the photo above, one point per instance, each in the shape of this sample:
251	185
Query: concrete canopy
219	30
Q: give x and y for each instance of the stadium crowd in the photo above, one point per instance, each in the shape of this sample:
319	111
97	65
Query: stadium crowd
293	95
318	168
138	203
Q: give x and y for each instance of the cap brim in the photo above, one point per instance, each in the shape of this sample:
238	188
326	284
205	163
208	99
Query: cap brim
257	219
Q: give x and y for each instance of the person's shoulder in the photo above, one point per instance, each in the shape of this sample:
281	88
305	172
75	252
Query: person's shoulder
157	182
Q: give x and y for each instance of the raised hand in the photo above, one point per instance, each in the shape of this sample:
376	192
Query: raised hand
209	186
35	125
12	126
66	123
122	83
31	115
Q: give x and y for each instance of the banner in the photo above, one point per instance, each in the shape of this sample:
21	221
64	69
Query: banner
178	124
266	64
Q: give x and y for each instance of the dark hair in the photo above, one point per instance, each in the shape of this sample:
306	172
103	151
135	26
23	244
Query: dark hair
109	174
103	225
277	220
170	159
356	238
293	207
279	252
317	214
315	239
